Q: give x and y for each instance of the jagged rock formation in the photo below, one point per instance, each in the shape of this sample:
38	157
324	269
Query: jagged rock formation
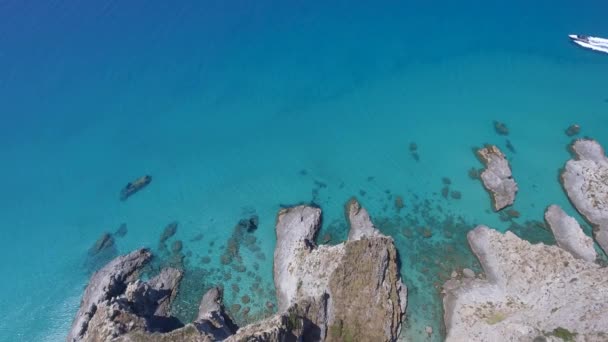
118	306
569	235
530	292
585	180
363	267
320	291
497	177
103	285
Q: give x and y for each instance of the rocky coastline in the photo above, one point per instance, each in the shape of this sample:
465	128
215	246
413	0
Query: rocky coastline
317	287
526	292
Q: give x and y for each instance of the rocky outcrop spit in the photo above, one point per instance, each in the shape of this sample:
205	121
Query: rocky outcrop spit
585	179
497	177
529	292
569	235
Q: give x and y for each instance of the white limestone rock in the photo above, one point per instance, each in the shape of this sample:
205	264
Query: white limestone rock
296	228
529	291
497	177
360	223
569	235
585	180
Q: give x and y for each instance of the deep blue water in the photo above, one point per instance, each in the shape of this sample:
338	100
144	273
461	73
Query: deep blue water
241	106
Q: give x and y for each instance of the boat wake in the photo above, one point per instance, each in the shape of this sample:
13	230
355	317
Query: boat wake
588	42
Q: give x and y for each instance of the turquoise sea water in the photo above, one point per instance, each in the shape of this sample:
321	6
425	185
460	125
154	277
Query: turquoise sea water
238	107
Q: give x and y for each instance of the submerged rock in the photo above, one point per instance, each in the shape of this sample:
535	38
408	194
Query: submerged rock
497	177
501	128
399	203
529	291
168	232
585	180
132	187
445	191
573	130
197	237
104	242
121	231
569	235
510	146
177	246
475	173
102	251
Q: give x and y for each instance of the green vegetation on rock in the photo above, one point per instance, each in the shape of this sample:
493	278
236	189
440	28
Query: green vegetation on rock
563	333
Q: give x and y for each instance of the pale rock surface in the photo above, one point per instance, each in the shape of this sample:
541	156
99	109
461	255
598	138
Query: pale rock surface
530	291
569	235
585	180
360	223
497	177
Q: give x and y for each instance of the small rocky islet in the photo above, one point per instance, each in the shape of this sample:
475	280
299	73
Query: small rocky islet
524	292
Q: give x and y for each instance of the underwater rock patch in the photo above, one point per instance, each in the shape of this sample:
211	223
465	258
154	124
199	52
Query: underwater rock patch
104	242
399	203
414	151
121	231
501	128
135	186
573	130
456	194
177	246
445	191
101	252
168	232
197	237
475	173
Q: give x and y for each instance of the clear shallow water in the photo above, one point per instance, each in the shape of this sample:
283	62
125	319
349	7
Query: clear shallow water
226	104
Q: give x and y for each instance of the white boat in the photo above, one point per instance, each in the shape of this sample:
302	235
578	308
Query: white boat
588	42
